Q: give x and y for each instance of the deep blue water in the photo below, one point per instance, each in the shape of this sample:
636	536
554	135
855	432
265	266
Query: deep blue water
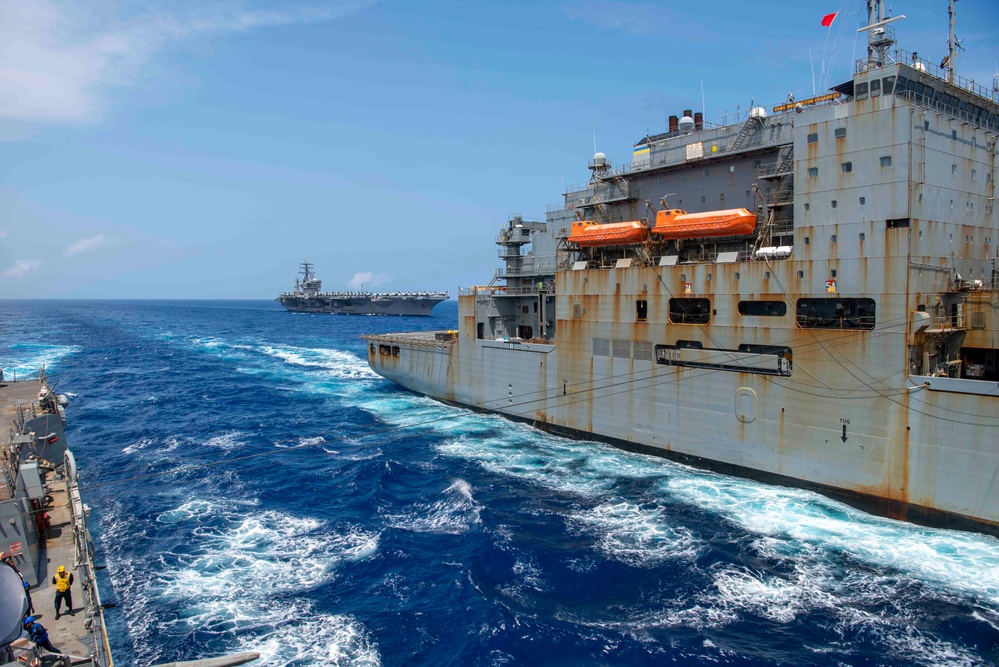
354	523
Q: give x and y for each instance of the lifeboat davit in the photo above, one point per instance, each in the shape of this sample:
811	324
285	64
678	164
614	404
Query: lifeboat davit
590	234
677	224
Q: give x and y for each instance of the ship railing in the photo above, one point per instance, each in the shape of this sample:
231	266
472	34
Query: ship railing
84	565
954	112
425	340
927	67
520	271
504	290
556	207
774	169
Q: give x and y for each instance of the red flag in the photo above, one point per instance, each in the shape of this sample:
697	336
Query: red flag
828	19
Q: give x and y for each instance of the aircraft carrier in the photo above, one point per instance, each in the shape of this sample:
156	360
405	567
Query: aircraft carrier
308	297
804	294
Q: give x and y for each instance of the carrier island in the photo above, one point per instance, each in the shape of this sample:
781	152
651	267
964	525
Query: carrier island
806	295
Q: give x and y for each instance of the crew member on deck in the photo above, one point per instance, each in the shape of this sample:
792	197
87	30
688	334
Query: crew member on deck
38	634
63	581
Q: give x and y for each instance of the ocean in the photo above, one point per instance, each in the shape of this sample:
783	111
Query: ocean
254	486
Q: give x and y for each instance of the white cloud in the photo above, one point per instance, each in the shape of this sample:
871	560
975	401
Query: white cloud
62	58
367	279
85	245
21	267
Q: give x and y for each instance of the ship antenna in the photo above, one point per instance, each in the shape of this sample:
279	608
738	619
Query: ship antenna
953	43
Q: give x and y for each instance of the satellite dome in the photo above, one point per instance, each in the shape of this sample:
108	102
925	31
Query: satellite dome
599	160
686	124
599	156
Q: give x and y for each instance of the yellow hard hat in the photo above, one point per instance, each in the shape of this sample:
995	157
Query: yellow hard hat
62	568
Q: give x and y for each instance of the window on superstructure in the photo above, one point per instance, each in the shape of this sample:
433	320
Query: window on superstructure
860	92
807	206
703	200
953	134
833	203
642	310
888	84
601	347
813	138
621	349
704	172
875	87
836	313
721	197
689	311
832	239
953	169
863	200
643	350
900	87
840	132
846	167
763	308
813	172
524	310
885	161
974	175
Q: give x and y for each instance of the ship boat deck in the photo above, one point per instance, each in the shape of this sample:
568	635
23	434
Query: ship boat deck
69	634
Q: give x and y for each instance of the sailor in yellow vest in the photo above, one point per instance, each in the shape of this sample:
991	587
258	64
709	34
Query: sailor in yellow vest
62	581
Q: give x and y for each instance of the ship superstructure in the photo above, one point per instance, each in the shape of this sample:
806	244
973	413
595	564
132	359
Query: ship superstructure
308	297
806	294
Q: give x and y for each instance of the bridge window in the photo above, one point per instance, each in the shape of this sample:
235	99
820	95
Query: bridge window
875	87
861	91
689	311
889	84
836	313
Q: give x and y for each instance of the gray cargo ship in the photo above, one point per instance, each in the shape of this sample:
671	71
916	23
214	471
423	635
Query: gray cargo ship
805	294
308	297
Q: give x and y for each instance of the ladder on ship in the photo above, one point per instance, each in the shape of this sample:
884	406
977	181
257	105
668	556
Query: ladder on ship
752	124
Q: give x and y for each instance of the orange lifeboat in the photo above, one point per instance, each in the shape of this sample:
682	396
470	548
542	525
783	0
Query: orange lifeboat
677	224
591	234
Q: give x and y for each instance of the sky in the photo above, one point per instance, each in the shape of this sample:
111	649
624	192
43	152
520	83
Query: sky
204	149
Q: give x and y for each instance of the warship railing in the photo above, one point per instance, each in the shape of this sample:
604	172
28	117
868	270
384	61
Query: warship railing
84	557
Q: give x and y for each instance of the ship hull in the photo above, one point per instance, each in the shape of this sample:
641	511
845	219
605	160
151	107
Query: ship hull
882	447
360	305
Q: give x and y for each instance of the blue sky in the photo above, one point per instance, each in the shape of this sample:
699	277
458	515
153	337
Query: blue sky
203	149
